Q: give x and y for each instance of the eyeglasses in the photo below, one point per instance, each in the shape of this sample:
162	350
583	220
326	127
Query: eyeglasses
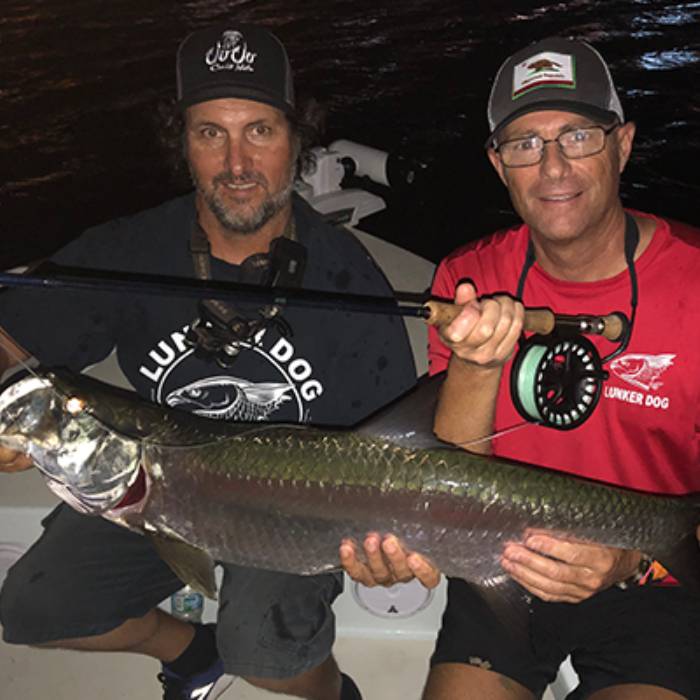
574	143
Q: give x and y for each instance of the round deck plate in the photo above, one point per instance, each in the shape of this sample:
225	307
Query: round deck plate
399	600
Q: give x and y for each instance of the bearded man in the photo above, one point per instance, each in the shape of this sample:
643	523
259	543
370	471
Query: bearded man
101	584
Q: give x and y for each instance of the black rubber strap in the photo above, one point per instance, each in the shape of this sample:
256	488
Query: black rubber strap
631	243
529	262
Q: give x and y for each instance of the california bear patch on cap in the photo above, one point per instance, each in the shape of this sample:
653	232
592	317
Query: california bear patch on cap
555	73
546	69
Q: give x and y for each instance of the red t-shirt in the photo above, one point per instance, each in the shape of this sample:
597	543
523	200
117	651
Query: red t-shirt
645	431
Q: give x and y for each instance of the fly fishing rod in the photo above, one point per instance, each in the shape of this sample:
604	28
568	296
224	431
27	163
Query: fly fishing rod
557	374
407	304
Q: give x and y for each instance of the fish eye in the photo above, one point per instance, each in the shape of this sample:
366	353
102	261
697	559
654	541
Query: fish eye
195	393
75	405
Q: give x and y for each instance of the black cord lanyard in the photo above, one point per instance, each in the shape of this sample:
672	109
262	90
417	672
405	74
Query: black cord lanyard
221	327
254	267
631	243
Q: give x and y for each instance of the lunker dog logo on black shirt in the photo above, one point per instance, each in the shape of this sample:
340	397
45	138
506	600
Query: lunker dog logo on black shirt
267	381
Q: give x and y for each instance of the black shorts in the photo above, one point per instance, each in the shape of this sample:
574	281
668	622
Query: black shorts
85	576
645	634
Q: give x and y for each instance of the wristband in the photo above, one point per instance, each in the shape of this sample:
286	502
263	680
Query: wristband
640	576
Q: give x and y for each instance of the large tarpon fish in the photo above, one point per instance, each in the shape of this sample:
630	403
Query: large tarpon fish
284	496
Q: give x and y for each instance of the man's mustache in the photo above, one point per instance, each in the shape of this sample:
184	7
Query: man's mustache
228	178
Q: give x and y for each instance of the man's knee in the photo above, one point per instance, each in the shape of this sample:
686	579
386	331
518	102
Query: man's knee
38	607
274	631
455	681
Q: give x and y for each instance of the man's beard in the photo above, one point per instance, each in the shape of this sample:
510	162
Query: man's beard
243	220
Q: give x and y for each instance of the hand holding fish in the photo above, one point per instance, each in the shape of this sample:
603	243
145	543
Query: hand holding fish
560	571
388	562
486	330
13	461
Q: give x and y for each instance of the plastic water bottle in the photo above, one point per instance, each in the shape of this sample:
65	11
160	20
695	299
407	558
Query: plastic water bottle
187	604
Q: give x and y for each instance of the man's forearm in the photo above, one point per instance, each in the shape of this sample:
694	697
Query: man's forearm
467	405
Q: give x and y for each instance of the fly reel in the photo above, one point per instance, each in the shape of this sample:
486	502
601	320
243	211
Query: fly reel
557	375
557	380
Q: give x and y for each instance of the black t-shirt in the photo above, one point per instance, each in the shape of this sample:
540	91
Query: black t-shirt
335	367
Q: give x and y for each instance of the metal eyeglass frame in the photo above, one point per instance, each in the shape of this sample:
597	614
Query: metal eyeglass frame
606	132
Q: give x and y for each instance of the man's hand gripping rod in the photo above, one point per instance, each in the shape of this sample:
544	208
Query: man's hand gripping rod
542	321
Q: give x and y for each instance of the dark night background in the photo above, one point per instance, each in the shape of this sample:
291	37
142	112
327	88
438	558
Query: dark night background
81	78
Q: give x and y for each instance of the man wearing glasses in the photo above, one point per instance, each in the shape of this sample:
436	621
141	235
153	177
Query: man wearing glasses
559	142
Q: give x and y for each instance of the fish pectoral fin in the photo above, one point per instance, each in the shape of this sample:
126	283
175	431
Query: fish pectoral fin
408	421
190	564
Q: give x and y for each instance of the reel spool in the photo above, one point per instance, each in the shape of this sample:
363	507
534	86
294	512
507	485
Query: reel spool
557	381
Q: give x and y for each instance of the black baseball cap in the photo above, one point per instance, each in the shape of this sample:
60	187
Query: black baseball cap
234	60
554	73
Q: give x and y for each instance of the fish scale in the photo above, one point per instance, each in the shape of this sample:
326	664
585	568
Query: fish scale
283	497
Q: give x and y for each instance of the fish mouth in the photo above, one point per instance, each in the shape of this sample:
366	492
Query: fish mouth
21	407
174	400
20	390
83	459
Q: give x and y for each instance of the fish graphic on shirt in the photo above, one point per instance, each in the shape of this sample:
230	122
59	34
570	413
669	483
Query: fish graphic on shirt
230	398
642	371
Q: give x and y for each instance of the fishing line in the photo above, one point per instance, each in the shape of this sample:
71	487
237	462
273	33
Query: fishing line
14	352
16	373
500	433
73	403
